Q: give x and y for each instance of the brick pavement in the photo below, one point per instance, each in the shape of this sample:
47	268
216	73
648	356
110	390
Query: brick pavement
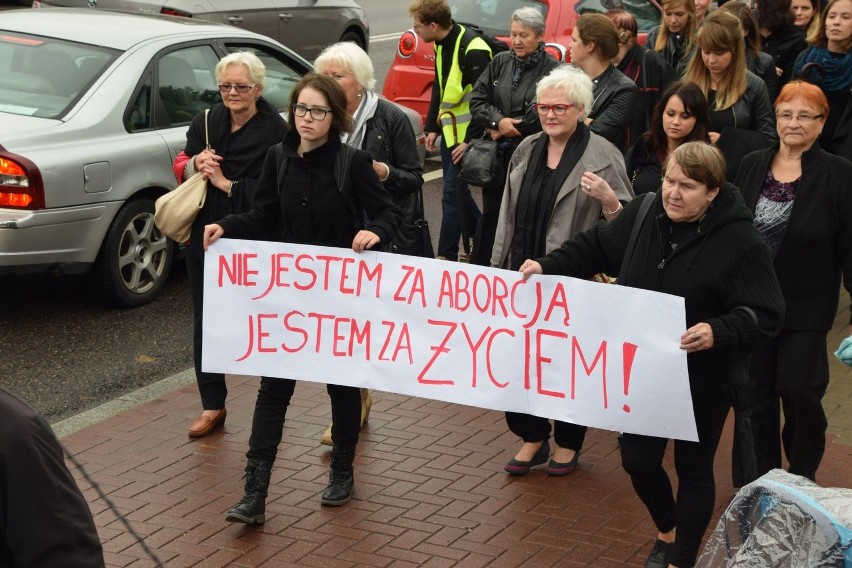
430	490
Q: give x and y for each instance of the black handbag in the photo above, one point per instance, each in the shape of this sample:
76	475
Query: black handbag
480	163
414	238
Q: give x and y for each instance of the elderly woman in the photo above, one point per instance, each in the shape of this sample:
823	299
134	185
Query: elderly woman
645	67
241	129
733	305
674	38
803	208
299	194
502	100
828	64
594	43
560	182
681	116
383	130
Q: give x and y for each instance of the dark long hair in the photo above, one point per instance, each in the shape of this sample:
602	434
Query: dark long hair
772	14
341	121
694	103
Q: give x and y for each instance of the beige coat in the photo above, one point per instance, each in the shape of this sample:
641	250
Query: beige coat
573	211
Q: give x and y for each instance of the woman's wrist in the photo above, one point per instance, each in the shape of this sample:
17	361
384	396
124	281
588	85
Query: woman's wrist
615	210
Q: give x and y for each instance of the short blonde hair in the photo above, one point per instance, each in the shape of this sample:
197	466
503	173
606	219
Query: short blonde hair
574	84
255	67
351	58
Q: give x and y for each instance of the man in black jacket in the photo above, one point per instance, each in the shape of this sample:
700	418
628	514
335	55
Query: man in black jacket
44	519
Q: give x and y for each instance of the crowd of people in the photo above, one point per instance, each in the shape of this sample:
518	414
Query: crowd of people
732	126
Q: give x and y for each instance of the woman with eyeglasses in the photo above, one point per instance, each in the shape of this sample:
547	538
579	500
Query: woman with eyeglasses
240	129
561	181
802	206
615	98
828	64
314	190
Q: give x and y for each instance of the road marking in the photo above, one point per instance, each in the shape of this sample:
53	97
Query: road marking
434	174
385	37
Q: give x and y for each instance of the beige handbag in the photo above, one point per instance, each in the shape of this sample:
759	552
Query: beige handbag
175	211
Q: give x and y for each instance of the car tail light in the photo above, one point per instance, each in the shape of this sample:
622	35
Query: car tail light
557	50
173	12
21	186
407	44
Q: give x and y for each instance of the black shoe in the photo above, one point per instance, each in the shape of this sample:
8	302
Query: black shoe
251	510
339	490
659	557
518	467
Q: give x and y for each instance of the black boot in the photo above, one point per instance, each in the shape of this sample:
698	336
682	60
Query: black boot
252	508
340	479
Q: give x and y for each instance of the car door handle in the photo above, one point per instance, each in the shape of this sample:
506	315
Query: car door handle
235	19
285	17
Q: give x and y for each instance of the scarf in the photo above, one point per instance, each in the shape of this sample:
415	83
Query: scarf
365	112
831	71
521	65
537	200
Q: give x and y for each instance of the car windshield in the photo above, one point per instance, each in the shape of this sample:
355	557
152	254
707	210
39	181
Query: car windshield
646	11
491	16
43	76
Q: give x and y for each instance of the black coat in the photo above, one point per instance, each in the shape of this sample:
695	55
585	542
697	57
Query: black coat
762	65
817	246
493	99
704	271
652	74
616	99
643	168
306	205
784	44
389	138
44	519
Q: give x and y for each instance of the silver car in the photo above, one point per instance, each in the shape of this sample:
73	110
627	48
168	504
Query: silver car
306	27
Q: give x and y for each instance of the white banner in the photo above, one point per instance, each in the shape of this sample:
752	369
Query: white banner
579	351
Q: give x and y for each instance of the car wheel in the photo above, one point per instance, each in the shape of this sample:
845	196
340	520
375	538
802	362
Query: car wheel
135	258
355	38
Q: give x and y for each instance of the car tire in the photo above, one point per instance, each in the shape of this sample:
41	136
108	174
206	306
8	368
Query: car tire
135	258
355	38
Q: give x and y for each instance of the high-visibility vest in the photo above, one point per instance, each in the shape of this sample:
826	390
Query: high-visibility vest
454	111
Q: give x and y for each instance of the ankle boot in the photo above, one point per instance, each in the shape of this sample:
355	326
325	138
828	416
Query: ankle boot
341	479
252	508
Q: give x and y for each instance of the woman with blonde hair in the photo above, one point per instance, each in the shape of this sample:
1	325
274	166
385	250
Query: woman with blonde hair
807	18
738	99
674	38
760	63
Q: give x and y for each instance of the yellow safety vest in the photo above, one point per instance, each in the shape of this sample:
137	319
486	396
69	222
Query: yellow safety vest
454	111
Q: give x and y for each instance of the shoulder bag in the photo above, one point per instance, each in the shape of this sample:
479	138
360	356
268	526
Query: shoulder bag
480	162
175	211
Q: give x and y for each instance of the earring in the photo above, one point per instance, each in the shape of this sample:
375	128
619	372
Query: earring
358	95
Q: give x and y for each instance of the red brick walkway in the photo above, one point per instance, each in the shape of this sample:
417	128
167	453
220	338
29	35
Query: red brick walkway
430	490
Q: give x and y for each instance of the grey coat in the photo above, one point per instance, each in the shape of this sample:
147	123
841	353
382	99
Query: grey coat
573	211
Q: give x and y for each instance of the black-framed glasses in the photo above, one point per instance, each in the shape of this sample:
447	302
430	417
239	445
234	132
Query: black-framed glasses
317	113
242	89
804	118
558	110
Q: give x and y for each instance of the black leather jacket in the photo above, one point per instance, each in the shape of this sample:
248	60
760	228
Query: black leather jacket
762	65
754	111
616	98
389	138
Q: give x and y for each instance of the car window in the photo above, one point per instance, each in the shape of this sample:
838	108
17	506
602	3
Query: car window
646	13
491	16
44	77
186	83
281	75
138	115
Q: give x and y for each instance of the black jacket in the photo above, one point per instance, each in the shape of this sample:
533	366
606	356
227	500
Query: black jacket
652	74
753	111
493	98
44	519
674	52
616	99
726	265
762	65
243	152
784	44
306	206
643	168
389	138
817	246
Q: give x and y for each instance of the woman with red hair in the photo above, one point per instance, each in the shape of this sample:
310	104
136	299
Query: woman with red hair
802	206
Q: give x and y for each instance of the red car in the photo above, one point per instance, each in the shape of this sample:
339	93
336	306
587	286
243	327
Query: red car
409	80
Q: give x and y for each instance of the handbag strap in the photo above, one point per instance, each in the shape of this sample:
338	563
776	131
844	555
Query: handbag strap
647	200
206	130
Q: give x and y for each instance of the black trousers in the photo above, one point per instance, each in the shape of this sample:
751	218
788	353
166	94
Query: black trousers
691	511
535	429
270	410
211	386
486	228
793	367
